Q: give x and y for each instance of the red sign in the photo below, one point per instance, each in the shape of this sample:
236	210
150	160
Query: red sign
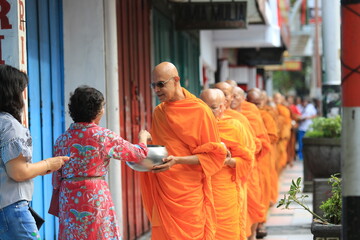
13	38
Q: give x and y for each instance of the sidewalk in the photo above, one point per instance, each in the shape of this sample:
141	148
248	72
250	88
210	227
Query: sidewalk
283	224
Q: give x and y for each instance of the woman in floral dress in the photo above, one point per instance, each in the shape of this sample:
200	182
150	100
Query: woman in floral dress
86	210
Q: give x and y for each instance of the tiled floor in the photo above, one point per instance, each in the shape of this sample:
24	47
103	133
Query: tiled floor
285	224
294	224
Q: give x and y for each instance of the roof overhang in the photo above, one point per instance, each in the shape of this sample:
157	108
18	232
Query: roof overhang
209	14
254	36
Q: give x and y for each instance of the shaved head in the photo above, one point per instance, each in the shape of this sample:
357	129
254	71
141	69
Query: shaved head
264	98
166	82
233	83
254	96
165	69
227	89
215	99
278	98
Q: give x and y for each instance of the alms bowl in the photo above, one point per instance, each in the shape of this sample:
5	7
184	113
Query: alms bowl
155	155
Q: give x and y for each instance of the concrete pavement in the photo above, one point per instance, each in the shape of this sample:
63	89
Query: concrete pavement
294	224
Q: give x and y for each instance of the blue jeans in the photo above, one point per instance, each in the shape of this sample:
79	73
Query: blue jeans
17	223
300	136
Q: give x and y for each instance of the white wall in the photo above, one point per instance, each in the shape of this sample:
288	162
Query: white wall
90	57
84	47
208	57
243	75
207	49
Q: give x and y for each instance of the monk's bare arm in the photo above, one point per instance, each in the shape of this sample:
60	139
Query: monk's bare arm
172	160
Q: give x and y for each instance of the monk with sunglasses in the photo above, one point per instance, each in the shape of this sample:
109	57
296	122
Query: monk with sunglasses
177	195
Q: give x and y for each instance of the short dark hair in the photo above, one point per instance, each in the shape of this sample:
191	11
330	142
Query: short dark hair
85	104
12	84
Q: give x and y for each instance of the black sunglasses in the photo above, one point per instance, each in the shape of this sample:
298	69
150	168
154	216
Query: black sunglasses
160	84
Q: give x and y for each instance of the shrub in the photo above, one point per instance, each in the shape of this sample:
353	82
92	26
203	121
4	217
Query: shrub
332	207
325	127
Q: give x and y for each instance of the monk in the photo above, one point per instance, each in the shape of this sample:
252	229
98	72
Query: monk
263	158
256	209
255	96
270	120
177	194
285	131
228	182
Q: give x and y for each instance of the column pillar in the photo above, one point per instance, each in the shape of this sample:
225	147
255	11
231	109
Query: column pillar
350	82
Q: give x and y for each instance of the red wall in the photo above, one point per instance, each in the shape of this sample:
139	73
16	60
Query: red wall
135	100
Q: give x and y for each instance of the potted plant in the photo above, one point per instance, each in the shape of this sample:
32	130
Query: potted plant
325	227
321	150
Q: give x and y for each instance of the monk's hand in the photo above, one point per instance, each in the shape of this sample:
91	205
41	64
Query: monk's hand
228	153
231	162
169	161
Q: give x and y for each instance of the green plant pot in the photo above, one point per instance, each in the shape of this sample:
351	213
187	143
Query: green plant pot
326	232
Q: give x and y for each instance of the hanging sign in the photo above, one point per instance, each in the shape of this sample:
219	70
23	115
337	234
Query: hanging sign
210	15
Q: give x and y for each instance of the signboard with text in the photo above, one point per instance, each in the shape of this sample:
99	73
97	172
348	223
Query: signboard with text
210	15
13	38
288	65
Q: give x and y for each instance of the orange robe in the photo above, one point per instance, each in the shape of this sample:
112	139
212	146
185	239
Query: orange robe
179	202
272	131
255	208
285	133
263	158
279	123
227	183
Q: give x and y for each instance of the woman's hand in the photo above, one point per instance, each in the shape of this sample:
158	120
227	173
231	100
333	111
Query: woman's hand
19	169
55	163
144	137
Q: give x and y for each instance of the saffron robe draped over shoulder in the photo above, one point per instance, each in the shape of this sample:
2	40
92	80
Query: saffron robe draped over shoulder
179	201
279	122
240	117
251	112
255	208
229	184
272	131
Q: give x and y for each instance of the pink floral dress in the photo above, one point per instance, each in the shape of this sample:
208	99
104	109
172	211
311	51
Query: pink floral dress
86	210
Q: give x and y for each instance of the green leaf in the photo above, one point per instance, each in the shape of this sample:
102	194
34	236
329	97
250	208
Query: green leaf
298	181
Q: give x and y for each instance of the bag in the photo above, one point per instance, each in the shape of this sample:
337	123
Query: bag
54	204
39	220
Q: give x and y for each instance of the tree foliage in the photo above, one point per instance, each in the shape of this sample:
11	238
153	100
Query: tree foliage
284	81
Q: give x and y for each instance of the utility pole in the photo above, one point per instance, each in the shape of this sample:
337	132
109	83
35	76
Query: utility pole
330	12
350	82
317	52
315	88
